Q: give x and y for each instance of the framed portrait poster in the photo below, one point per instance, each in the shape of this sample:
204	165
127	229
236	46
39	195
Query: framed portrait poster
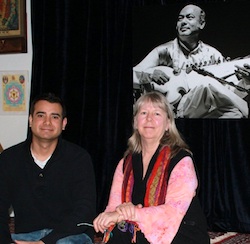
198	56
13	36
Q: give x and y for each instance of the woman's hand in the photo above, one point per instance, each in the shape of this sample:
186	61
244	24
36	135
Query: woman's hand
125	211
128	211
104	220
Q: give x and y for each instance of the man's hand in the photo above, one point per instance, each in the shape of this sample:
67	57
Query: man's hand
29	242
159	77
243	73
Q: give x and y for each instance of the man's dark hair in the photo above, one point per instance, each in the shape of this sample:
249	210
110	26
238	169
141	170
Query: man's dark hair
49	97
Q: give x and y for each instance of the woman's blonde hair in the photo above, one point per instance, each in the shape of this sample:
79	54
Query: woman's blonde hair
171	138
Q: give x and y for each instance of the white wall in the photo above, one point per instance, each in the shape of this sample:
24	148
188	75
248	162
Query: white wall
13	128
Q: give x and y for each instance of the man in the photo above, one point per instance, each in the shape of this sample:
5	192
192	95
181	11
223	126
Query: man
183	54
48	181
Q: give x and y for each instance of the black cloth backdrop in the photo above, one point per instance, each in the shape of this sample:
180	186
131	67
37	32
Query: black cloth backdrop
82	51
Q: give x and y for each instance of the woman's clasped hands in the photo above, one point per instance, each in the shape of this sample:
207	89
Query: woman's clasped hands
124	211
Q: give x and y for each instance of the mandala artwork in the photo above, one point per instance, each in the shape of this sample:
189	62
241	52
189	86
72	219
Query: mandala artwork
13	92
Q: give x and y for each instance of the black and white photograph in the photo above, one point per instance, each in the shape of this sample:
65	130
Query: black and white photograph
196	55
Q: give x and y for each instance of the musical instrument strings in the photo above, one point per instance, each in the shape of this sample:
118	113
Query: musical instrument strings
221	80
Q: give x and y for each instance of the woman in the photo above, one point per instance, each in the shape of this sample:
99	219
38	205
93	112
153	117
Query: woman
153	197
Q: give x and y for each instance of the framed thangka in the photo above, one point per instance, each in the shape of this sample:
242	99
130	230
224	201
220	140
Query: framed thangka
13	36
196	55
14	92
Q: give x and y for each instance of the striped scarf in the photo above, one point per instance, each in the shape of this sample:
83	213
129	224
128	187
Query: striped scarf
156	188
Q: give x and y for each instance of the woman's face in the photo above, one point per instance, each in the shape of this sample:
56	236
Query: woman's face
151	122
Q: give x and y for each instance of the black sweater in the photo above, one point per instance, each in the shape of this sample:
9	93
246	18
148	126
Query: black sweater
57	197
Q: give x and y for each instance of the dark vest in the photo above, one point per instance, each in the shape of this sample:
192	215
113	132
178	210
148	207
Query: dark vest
193	228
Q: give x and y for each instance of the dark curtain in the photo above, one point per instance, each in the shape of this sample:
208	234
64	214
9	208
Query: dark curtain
82	51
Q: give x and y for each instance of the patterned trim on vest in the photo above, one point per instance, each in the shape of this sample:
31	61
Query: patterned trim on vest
157	183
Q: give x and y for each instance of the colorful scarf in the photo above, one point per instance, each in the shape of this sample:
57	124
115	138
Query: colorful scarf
156	188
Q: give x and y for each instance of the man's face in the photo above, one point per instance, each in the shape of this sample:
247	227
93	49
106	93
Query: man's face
188	22
46	122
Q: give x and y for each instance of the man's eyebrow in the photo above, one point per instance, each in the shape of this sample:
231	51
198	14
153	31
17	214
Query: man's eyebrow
41	112
187	15
57	114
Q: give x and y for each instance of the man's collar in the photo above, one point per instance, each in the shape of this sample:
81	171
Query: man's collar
187	50
29	141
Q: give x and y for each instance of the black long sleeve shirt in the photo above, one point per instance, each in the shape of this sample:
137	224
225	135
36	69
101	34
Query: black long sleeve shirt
57	197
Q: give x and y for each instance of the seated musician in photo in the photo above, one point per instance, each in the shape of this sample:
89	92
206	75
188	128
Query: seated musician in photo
202	99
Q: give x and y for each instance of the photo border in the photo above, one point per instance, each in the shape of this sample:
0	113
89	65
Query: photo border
153	25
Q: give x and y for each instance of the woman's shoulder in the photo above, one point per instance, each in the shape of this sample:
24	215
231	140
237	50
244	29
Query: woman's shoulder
178	157
181	154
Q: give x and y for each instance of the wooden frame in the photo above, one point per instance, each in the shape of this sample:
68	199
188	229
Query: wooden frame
13	29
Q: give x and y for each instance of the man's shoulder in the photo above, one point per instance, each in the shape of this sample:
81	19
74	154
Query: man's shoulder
14	149
71	147
167	44
209	48
69	152
12	154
